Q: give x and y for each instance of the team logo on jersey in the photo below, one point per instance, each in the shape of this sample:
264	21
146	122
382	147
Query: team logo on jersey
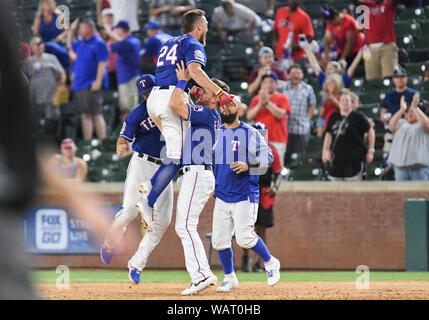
199	55
198	108
235	144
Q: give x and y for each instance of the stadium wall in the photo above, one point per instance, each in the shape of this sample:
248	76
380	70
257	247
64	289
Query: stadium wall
318	225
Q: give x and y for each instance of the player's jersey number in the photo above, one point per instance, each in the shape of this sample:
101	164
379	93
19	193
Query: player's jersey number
165	56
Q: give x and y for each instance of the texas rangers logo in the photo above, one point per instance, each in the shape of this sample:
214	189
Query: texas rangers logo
235	144
199	55
143	83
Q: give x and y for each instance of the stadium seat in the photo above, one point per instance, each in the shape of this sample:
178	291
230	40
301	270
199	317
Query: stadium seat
374	171
415	82
410	13
407	27
110	96
370	109
356	85
295	161
424	26
414	68
419	55
305	173
371	96
376	84
421	42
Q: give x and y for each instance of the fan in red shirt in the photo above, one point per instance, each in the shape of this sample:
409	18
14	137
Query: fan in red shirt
293	20
381	38
342	28
271	108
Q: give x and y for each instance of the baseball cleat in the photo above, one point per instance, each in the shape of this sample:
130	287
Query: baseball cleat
145	188
148	214
272	268
200	285
106	254
133	274
227	285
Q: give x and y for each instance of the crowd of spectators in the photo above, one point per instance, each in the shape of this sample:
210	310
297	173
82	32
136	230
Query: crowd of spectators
77	63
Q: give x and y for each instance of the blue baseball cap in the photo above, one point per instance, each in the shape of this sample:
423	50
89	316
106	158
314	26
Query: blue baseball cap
271	74
123	24
151	25
265	50
145	83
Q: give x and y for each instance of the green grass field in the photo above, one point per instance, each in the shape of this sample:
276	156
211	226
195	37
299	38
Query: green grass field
79	275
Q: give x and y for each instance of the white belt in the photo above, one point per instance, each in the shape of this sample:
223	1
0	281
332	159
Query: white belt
377	45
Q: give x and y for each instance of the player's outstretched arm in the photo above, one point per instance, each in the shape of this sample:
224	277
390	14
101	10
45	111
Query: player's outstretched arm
177	102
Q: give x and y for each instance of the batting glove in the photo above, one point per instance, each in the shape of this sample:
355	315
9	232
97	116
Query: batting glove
197	92
223	97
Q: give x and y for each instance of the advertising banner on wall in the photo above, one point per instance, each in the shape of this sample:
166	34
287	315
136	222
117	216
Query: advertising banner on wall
56	230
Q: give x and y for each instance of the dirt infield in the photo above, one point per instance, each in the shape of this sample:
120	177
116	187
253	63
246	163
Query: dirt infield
246	291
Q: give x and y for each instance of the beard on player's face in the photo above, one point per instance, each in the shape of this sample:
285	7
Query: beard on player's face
228	118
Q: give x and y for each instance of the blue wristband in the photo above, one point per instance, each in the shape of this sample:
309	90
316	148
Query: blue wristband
181	84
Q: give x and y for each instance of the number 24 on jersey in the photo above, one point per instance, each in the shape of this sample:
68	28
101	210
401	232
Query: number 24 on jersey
170	56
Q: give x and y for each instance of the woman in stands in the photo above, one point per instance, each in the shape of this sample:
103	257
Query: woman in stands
409	153
331	95
47	21
67	165
344	146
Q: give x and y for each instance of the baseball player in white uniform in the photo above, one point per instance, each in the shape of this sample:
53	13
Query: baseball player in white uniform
190	49
147	144
241	155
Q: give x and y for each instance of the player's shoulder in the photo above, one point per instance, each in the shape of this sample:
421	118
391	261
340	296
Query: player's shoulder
139	111
190	40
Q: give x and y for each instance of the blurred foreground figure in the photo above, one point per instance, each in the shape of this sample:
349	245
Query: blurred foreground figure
18	174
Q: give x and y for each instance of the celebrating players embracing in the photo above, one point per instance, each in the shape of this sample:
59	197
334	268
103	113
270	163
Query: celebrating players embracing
190	49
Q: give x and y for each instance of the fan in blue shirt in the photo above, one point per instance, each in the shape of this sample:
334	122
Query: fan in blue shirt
391	103
156	39
128	48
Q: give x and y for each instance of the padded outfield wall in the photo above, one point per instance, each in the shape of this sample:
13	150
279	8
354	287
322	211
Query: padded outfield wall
318	225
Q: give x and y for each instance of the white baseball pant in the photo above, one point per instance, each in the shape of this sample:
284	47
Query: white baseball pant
172	127
195	188
139	170
239	217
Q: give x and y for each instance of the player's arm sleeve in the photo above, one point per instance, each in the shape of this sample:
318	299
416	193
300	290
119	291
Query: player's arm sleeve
195	53
130	126
199	115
